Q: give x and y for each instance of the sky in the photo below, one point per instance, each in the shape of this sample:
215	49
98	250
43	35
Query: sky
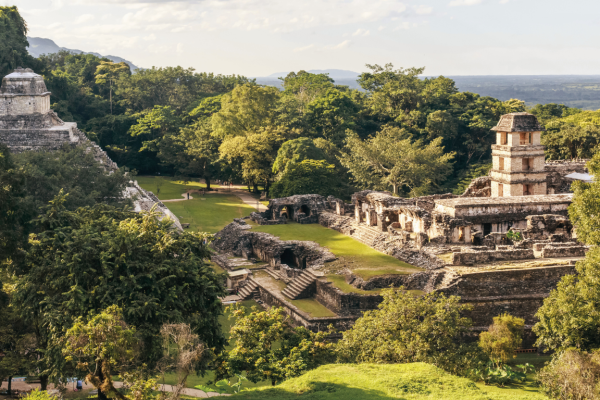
260	37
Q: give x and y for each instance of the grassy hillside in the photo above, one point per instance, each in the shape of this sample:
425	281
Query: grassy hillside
374	382
167	189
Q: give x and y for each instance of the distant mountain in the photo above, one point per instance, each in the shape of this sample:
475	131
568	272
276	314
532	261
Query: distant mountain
39	46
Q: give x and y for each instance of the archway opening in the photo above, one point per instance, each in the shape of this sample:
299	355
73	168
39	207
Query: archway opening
288	211
288	258
304	208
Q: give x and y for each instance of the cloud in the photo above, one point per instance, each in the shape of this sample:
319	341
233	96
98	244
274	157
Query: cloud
340	46
361	32
455	3
423	10
299	49
271	15
84	18
504	1
179	48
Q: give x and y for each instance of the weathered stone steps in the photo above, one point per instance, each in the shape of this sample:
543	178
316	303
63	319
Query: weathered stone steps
248	290
298	286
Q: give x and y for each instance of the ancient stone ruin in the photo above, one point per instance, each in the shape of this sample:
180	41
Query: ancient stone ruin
502	246
28	124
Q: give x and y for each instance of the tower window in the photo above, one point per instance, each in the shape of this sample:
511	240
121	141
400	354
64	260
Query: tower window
503	140
527	190
500	190
501	163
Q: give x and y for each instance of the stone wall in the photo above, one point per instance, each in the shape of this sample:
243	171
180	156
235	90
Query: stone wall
519	292
300	318
345	304
483	257
564	251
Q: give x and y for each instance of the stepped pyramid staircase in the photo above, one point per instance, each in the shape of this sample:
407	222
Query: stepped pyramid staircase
298	287
248	290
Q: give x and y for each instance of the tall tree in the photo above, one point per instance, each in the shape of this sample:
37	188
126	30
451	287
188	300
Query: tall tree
393	159
570	316
13	40
109	72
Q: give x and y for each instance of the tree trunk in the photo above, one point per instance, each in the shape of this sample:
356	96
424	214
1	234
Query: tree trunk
110	95
267	186
101	396
207	180
255	187
10	385
43	382
395	189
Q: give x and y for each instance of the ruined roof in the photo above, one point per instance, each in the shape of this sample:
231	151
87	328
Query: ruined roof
518	122
23	82
465	202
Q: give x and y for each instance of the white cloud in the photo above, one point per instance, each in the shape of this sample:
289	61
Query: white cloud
299	49
342	45
84	18
504	1
150	37
272	15
423	10
361	32
180	48
455	3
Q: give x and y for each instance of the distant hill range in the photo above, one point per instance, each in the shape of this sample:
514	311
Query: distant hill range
39	46
581	91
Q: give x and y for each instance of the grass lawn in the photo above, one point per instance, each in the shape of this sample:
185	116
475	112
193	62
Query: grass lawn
210	213
393	381
351	253
169	189
313	307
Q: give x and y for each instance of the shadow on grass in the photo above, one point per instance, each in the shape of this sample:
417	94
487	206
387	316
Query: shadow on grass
318	390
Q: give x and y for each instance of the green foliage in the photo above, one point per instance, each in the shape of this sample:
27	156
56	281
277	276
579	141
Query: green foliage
502	339
502	375
466	176
294	151
13	40
572	374
308	177
393	159
37	394
86	260
408	328
569	316
245	110
268	348
515	236
225	385
100	345
73	170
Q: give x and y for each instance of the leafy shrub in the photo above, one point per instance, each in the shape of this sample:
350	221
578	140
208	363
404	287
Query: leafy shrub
515	236
572	374
408	328
492	374
38	394
503	337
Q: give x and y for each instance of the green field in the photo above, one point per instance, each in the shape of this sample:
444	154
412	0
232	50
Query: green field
393	381
352	254
166	189
211	212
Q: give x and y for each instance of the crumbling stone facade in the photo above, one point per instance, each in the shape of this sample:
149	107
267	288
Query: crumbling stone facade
304	209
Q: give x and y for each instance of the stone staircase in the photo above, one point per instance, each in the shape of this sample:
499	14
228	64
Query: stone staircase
274	274
450	278
365	234
248	290
297	288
